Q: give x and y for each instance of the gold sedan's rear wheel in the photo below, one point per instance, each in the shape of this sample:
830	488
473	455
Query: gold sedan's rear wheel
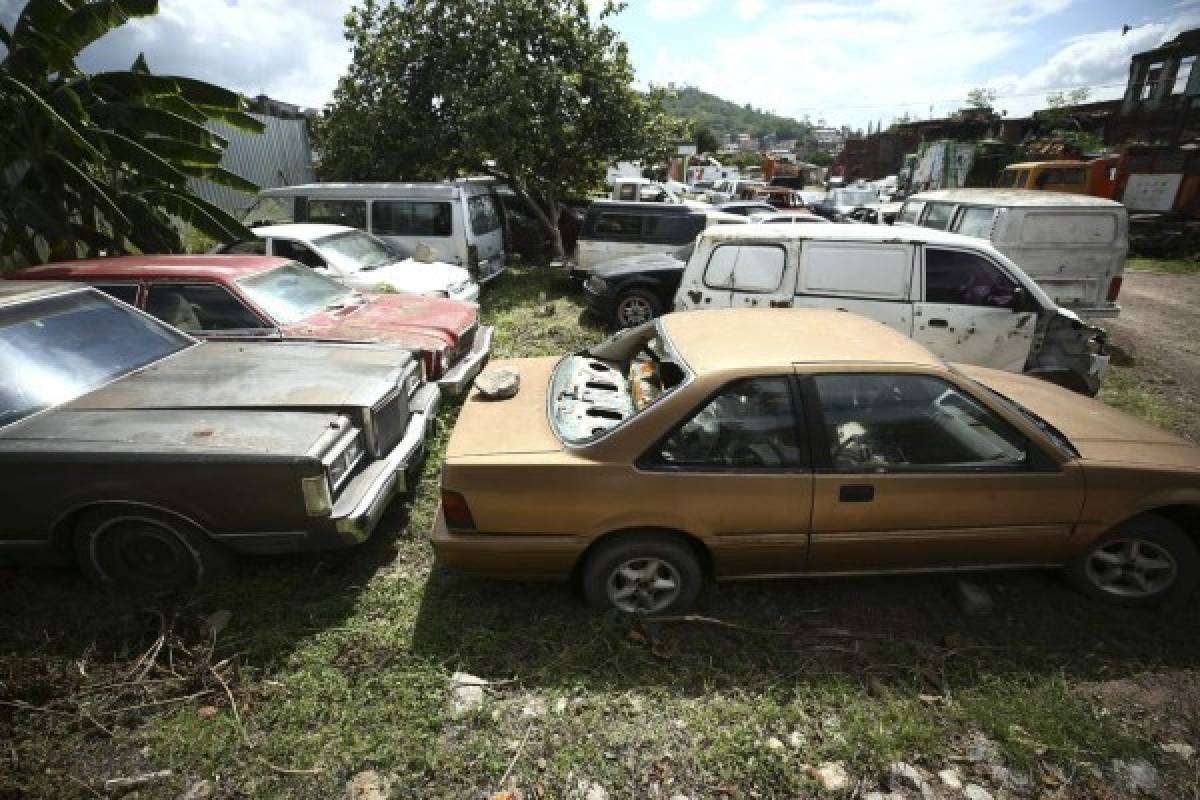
642	573
1145	561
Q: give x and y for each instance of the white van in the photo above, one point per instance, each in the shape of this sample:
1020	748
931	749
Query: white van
956	295
461	222
1073	245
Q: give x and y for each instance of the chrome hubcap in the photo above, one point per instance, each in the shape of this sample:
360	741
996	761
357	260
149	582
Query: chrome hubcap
643	586
633	311
1131	568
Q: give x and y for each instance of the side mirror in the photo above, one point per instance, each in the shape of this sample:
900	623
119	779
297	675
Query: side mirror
1022	301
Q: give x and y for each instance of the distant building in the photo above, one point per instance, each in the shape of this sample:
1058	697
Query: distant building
829	140
1161	97
282	155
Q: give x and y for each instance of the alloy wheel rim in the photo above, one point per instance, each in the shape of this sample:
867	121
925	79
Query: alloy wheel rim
1131	568
643	585
634	311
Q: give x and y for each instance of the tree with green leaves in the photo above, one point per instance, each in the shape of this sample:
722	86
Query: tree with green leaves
981	98
534	92
706	141
93	163
1058	118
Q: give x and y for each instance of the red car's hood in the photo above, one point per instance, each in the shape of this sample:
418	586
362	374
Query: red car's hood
406	319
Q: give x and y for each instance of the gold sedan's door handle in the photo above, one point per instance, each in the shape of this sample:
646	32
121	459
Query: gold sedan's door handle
856	493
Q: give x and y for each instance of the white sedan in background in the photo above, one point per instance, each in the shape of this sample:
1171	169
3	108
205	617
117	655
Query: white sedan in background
359	260
787	218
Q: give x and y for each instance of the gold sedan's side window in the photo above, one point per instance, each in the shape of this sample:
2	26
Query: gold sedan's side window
891	423
750	425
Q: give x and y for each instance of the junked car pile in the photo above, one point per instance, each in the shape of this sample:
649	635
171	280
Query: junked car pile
785	396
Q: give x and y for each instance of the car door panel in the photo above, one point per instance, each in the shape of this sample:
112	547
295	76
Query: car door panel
930	520
868	278
737	475
914	472
966	311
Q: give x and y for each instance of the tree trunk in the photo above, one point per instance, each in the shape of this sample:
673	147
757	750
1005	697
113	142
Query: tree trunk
546	211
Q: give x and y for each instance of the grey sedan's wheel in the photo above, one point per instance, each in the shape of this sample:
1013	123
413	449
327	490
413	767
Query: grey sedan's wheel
1144	561
635	307
642	574
141	551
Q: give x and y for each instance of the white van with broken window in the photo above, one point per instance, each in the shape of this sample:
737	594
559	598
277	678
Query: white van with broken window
1072	245
956	295
461	222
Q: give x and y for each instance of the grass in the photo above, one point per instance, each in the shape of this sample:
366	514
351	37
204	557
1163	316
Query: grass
1123	390
1177	266
341	663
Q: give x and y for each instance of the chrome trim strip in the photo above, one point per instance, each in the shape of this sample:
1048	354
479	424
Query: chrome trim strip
455	380
359	519
896	571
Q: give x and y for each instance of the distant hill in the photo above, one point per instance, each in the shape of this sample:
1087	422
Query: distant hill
723	117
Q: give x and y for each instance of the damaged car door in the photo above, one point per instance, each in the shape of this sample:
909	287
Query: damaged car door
972	311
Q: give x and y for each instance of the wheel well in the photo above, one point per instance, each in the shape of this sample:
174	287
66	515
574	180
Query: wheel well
1186	517
644	285
703	555
64	527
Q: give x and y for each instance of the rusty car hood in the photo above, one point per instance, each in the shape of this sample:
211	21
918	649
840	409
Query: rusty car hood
1098	431
516	425
408	320
278	376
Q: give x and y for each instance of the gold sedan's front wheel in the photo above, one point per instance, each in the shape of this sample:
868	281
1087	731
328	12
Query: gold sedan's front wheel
1143	562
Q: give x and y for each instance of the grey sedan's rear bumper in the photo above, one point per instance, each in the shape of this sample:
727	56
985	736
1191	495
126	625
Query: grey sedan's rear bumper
456	379
362	502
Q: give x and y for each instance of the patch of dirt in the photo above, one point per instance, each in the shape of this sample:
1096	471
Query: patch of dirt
1159	327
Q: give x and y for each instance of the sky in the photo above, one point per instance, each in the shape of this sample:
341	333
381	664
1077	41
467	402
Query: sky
851	62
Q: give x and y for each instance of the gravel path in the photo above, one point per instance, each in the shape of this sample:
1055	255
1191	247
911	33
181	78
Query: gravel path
1159	327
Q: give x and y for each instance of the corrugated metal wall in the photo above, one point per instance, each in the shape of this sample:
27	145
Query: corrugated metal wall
280	156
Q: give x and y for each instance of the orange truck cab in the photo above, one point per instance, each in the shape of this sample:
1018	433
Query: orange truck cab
1093	177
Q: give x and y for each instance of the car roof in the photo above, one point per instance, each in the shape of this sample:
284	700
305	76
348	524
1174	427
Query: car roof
301	230
382	191
774	338
13	292
1015	197
618	205
211	267
846	233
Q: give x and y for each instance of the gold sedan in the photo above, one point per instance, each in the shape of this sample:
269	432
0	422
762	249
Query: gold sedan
777	442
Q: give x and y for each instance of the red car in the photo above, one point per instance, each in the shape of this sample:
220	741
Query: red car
260	297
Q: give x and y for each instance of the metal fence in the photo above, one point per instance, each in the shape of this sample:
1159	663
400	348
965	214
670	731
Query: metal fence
279	156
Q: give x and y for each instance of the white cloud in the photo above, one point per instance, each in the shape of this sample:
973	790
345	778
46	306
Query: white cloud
676	9
749	9
856	63
292	50
903	57
1099	60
